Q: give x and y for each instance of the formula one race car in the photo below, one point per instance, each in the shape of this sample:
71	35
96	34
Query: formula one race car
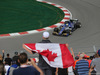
67	28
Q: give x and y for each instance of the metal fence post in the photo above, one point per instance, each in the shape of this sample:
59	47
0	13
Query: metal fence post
94	48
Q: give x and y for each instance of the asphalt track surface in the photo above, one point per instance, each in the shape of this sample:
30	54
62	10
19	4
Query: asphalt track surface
82	40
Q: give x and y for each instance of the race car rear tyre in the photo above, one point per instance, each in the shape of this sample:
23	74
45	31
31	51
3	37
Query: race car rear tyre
78	25
70	33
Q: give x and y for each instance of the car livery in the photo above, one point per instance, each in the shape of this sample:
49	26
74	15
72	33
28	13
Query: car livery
67	28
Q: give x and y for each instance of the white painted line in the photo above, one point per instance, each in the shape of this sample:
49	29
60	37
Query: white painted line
32	31
14	34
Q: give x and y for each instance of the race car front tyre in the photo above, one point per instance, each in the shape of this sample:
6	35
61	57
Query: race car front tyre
68	32
55	33
56	29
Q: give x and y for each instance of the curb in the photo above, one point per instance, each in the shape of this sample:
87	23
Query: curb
67	16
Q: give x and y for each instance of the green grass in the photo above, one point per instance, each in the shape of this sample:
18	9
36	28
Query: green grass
25	15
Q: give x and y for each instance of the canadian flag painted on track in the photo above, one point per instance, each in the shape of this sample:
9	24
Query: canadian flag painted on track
56	55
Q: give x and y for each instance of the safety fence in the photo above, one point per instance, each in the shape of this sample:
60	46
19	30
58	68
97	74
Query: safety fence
89	50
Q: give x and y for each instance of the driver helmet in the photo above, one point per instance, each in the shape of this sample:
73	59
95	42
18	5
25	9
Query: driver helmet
67	24
71	20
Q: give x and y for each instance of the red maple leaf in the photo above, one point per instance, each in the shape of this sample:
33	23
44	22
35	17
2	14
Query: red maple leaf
50	56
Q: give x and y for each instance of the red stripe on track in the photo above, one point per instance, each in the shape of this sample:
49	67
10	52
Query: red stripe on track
21	33
53	26
65	10
4	35
61	22
67	14
53	4
66	18
44	2
41	29
60	7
